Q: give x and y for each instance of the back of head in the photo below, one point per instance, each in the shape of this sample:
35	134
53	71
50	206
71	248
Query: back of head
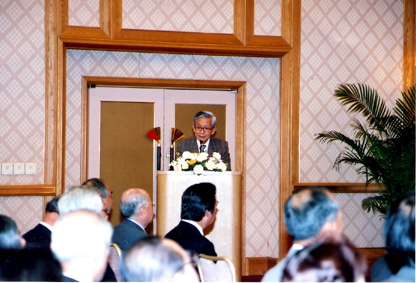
132	200
326	261
196	200
399	232
151	260
98	184
80	234
9	234
80	198
29	265
307	211
52	205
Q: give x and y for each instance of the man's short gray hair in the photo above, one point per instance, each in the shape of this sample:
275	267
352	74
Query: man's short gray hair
207	115
132	205
77	198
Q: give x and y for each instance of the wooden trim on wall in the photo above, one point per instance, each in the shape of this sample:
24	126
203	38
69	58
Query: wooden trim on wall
27	190
345	188
289	112
409	44
111	36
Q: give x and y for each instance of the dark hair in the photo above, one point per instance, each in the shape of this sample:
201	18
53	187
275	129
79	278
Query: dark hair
9	234
52	205
305	218
29	265
206	114
333	261
196	200
150	260
97	183
399	232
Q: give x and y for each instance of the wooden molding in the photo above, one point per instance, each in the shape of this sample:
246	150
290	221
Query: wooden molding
409	44
344	188
289	112
259	265
28	190
111	36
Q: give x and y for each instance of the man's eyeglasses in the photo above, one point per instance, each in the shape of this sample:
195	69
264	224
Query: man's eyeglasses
201	129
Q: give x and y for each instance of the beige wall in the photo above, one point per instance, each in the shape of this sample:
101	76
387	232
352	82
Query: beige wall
339	44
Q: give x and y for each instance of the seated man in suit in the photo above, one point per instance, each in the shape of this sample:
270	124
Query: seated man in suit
198	211
137	208
155	260
106	194
81	242
40	236
204	127
310	213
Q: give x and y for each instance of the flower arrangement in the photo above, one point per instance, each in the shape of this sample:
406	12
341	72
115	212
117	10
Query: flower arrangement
199	162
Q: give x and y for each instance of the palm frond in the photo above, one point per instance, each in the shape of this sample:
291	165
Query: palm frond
364	100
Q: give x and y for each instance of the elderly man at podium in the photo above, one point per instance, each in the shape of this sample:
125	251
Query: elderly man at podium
198	211
204	127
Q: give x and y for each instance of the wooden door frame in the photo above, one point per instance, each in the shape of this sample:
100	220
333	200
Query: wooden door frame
240	107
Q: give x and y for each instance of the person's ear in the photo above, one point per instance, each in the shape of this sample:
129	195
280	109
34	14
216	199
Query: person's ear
213	130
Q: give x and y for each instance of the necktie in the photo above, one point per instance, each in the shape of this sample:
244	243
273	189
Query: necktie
202	148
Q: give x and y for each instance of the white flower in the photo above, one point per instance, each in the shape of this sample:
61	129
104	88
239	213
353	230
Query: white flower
177	168
188	155
185	166
210	165
222	166
198	169
201	157
216	155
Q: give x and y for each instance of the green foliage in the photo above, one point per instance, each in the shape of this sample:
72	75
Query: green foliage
383	149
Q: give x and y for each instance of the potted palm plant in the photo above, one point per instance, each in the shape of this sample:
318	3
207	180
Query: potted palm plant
383	147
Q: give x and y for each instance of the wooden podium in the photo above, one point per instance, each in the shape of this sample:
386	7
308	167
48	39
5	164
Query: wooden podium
225	233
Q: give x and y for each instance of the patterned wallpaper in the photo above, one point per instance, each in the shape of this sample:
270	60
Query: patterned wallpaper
345	41
22	104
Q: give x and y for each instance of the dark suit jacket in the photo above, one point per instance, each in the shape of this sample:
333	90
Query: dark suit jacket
38	238
215	145
127	233
189	238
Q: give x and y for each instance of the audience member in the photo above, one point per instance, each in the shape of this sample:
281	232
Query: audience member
137	208
154	260
77	198
10	238
198	211
84	198
40	236
398	265
328	260
29	265
308	214
105	192
81	242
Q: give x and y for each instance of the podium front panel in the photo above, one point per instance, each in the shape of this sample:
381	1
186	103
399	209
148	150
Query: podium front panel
225	233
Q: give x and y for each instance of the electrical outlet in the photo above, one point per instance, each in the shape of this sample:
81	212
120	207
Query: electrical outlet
30	168
7	168
18	168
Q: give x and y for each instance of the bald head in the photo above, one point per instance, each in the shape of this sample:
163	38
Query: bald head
136	204
308	211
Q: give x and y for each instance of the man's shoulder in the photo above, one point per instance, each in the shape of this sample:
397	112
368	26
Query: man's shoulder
217	141
36	230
